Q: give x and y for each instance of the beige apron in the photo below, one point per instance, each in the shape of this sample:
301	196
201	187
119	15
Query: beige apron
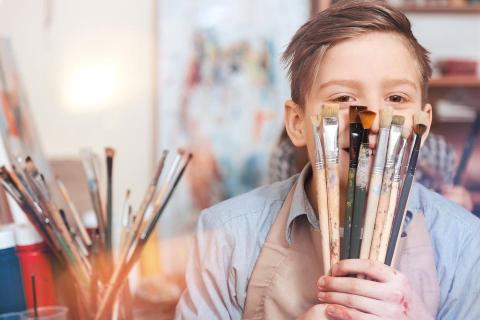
283	282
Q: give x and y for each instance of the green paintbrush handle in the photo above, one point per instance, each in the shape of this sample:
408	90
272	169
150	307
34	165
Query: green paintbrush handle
358	209
348	214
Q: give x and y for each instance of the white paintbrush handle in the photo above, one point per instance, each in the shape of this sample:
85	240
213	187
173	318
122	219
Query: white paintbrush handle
389	222
382	211
370	213
333	193
323	218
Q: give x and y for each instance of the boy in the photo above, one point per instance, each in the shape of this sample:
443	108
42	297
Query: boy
255	256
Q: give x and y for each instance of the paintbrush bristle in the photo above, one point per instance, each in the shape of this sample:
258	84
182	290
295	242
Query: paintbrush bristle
398	120
385	114
109	152
420	117
353	113
330	110
316	120
420	129
366	118
420	122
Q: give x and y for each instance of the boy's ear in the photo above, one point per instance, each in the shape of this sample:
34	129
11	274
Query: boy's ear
429	110
294	123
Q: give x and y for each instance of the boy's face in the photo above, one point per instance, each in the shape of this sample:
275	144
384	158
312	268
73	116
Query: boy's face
376	69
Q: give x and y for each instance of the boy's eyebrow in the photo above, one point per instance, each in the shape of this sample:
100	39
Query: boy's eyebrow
358	84
341	82
396	82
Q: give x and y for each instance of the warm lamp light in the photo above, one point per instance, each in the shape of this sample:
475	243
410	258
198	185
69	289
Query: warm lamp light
91	88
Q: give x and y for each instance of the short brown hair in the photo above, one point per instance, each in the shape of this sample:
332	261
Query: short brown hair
344	20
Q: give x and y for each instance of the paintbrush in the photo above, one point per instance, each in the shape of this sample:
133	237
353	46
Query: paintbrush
38	185
163	189
11	184
420	126
160	206
122	270
73	233
393	197
375	185
393	149
330	144
109	155
125	221
361	182
356	131
321	185
34	212
147	199
76	216
86	157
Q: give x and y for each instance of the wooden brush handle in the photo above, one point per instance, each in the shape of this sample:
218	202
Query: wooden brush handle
382	212
398	219
347	228
323	218
389	222
333	193
370	213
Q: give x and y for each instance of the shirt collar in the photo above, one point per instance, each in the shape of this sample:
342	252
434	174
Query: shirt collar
300	204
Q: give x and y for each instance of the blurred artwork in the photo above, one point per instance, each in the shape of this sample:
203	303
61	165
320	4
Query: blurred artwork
222	87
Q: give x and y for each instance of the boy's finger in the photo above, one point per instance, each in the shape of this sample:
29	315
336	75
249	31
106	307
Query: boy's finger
362	304
338	312
355	286
372	269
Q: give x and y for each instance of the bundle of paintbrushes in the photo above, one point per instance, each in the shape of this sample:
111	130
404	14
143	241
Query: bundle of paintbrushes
89	257
378	184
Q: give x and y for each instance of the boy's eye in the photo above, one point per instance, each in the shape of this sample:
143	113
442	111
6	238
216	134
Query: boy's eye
343	98
396	98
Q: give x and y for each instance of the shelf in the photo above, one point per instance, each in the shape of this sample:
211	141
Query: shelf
455	81
460	9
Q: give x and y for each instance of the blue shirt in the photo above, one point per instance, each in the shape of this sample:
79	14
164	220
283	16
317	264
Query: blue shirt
230	235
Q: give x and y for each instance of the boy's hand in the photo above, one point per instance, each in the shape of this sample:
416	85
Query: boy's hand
387	295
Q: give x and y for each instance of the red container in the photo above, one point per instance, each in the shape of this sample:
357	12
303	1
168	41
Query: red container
35	260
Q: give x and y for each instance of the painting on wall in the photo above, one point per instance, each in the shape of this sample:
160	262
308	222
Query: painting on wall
222	87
